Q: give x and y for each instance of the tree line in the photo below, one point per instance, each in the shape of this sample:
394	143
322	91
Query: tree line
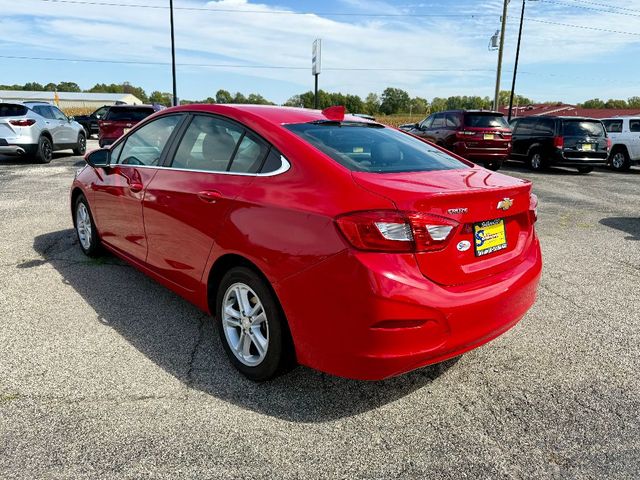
391	101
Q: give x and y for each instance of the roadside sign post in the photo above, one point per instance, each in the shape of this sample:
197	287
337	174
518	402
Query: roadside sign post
174	100
316	66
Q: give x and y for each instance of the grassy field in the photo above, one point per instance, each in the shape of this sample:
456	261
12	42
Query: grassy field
72	112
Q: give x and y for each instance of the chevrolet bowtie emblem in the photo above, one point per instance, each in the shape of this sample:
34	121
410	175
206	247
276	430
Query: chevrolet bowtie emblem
505	204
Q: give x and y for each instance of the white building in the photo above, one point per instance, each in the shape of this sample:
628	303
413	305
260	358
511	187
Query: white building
71	99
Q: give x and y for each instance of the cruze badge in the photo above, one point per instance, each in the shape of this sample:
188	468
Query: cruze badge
454	211
505	204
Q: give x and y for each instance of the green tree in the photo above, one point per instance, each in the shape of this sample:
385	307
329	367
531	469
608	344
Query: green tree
257	99
372	104
161	98
634	102
593	103
394	100
419	106
33	87
611	103
50	87
223	96
438	104
239	98
353	104
69	87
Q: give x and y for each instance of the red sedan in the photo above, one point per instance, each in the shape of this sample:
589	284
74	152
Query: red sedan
315	237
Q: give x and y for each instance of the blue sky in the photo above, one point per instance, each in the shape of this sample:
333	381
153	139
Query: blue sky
364	52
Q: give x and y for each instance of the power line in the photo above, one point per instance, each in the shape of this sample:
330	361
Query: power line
266	67
268	12
598	4
583	27
573	5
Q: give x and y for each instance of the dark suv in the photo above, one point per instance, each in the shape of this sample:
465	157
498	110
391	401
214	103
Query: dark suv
564	141
90	122
477	135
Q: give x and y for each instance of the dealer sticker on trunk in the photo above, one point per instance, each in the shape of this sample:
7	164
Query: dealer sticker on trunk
489	237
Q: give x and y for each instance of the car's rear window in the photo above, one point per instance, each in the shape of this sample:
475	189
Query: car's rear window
373	148
130	114
12	110
485	120
582	128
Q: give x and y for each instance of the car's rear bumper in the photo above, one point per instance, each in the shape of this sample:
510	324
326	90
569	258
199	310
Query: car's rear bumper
482	154
371	316
575	159
18	149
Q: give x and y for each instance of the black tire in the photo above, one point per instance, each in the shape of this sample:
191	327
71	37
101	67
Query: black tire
278	345
493	165
81	147
92	247
44	152
619	160
536	161
585	169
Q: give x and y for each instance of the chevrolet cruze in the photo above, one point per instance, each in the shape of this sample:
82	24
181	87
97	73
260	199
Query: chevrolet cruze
315	237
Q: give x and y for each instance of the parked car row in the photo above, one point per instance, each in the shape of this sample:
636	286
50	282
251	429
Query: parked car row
540	141
37	129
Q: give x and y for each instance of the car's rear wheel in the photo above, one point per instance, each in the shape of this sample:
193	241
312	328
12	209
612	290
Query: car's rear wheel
620	160
44	153
536	162
85	228
81	147
585	169
493	165
251	325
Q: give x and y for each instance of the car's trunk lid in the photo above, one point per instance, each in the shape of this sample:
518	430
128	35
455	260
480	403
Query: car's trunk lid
468	196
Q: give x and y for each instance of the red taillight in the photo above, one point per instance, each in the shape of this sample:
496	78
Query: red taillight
27	122
390	231
558	142
609	143
463	134
533	208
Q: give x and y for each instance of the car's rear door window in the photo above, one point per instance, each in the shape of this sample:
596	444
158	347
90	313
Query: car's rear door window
613	126
634	125
44	111
374	148
544	127
438	121
145	145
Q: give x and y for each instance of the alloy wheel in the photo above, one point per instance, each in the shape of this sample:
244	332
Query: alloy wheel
47	150
83	226
245	324
536	161
618	160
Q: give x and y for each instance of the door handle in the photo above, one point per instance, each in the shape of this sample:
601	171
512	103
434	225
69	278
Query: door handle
135	186
209	196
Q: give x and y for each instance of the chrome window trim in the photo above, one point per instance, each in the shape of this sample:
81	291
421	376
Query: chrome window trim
284	167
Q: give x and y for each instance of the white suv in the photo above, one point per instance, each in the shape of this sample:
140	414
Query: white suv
37	129
625	141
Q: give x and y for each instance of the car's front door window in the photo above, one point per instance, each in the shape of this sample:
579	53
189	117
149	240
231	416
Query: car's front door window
58	115
145	145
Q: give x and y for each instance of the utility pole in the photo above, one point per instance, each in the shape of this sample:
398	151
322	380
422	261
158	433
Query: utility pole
173	56
316	67
496	101
515	67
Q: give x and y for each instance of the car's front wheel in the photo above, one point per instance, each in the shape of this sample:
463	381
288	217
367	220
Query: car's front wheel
251	325
81	146
85	228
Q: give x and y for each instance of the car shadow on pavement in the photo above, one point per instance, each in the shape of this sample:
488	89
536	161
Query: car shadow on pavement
182	340
13	160
624	224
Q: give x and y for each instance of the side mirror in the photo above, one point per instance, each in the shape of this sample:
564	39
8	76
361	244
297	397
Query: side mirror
71	119
98	158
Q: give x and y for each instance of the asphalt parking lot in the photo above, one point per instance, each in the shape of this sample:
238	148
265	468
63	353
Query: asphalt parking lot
106	374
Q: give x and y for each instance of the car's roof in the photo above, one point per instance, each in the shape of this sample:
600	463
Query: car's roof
36	102
623	117
130	106
462	110
270	113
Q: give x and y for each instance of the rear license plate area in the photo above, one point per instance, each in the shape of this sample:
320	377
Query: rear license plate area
489	237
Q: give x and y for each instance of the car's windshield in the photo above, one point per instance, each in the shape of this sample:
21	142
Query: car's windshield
485	120
583	128
374	148
128	114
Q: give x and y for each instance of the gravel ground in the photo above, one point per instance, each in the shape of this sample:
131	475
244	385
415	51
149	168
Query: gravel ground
105	374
